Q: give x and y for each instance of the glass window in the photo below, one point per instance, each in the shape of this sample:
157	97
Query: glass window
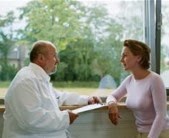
89	35
164	43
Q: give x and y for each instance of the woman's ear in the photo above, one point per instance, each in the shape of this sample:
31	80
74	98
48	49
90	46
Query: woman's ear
139	58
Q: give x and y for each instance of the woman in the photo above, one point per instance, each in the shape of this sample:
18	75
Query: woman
146	95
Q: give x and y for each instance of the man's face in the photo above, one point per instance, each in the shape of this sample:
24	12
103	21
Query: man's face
51	61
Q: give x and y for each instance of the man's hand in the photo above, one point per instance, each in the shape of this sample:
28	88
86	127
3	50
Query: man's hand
113	113
94	99
72	116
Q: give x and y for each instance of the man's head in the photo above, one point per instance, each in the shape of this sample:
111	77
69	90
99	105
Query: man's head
44	54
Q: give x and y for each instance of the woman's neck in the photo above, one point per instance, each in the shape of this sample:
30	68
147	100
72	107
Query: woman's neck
140	74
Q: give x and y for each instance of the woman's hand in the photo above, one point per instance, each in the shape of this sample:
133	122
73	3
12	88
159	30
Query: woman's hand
113	113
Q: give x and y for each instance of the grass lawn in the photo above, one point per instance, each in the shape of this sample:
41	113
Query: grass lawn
84	91
84	88
2	92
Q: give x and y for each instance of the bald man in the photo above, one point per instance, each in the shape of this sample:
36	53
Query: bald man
32	104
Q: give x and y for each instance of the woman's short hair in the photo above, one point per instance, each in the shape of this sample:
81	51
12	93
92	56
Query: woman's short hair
141	49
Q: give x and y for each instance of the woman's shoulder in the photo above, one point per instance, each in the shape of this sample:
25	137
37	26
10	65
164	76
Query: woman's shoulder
128	79
155	76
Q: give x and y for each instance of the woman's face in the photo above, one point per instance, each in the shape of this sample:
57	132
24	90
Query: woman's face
129	60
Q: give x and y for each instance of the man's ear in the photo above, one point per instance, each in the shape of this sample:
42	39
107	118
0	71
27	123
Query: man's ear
40	58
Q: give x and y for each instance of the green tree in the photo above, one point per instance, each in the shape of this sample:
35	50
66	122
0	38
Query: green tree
88	37
130	18
6	43
53	20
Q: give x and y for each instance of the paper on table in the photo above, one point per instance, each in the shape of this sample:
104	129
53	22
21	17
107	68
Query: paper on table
87	108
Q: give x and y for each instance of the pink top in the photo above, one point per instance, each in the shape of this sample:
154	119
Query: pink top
147	99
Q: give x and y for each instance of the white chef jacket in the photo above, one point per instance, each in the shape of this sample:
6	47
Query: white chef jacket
32	106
